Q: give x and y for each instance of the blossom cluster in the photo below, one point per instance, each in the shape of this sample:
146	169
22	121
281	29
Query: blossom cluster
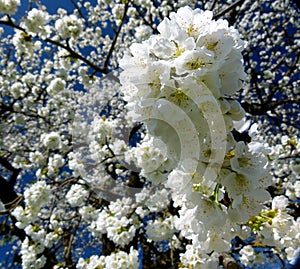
277	228
35	198
118	260
285	162
187	78
9	6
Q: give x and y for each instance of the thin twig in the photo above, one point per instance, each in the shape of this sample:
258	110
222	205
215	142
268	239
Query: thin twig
226	10
112	47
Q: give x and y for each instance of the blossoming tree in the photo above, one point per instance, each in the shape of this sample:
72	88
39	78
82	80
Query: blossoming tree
149	134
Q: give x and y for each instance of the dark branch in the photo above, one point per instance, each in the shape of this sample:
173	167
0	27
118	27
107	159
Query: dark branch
226	10
113	44
73	53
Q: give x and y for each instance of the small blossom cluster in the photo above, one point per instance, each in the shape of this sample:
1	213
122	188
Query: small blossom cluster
118	260
35	22
277	228
35	198
9	6
115	223
195	257
38	238
154	201
31	255
285	164
56	85
24	45
160	229
249	256
51	140
150	155
77	195
69	26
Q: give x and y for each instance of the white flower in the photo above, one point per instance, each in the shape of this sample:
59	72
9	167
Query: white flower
150	154
101	223
208	212
297	189
296	169
121	207
37	157
250	165
284	139
77	195
56	85
236	111
281	225
120	231
17	89
25	46
87	212
101	129
122	260
196	257
258	148
158	201
193	22
9	6
35	22
232	68
280	202
248	204
199	61
56	161
247	255
237	185
180	182
92	262
293	254
216	242
142	32
30	253
23	217
170	30
217	39
160	229
69	26
37	195
51	140
188	224
76	164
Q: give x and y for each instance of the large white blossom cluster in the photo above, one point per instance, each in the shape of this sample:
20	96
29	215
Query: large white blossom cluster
189	72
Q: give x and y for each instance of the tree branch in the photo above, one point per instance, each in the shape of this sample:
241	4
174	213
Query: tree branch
113	44
226	10
73	53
